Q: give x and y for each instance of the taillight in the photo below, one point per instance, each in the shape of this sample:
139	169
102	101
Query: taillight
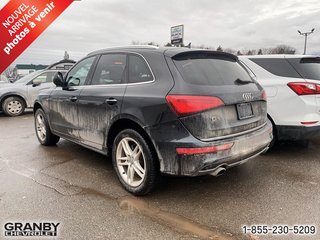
309	123
185	104
304	88
204	150
264	95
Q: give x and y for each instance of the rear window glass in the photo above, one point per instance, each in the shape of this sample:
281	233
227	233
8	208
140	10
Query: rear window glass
276	66
210	70
138	70
308	68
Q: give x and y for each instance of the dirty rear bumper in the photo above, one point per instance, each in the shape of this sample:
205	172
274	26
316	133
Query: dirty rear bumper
170	136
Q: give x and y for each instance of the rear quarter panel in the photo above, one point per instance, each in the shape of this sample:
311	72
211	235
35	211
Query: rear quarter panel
146	101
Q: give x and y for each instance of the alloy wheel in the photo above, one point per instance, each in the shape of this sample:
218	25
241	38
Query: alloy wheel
41	127
131	161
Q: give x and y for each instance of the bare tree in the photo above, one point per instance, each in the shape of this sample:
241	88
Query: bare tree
9	72
202	46
284	49
230	50
144	43
280	49
219	49
133	42
266	51
249	52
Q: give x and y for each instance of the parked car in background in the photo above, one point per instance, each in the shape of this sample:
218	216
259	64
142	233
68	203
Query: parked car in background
292	84
16	97
3	79
171	110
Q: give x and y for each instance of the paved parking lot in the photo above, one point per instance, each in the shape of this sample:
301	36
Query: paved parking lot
78	188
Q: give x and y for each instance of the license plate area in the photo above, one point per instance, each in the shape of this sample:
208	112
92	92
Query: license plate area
244	111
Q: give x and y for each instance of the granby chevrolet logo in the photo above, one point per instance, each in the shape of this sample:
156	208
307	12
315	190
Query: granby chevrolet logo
38	229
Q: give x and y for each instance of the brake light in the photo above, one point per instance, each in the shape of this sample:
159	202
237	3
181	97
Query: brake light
304	88
185	104
204	150
264	95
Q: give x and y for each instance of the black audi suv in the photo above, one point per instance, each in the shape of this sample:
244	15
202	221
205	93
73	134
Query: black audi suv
157	110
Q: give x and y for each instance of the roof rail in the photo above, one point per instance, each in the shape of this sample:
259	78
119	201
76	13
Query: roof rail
125	47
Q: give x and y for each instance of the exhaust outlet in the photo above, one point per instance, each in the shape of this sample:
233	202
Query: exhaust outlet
218	172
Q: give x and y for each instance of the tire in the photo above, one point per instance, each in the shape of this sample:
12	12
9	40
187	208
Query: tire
43	131
13	106
135	163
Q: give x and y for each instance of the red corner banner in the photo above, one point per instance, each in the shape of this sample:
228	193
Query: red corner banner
21	22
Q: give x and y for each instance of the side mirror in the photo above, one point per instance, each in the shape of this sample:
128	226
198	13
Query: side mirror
36	82
58	80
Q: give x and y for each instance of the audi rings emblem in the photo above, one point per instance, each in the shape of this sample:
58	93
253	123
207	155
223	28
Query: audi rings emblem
247	96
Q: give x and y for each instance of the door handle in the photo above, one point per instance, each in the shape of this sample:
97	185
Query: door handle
111	101
73	99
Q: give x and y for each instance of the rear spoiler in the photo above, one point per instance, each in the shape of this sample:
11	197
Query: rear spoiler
194	54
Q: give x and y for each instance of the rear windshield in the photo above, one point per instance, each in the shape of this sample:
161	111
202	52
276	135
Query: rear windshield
277	66
208	69
308	68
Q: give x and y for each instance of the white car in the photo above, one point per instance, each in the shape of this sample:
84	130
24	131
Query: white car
292	84
3	79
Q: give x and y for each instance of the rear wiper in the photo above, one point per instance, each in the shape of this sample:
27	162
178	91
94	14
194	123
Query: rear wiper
240	81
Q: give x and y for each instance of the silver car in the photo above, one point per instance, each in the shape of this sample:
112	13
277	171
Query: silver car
16	97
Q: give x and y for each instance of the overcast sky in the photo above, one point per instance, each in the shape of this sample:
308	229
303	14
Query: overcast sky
89	25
